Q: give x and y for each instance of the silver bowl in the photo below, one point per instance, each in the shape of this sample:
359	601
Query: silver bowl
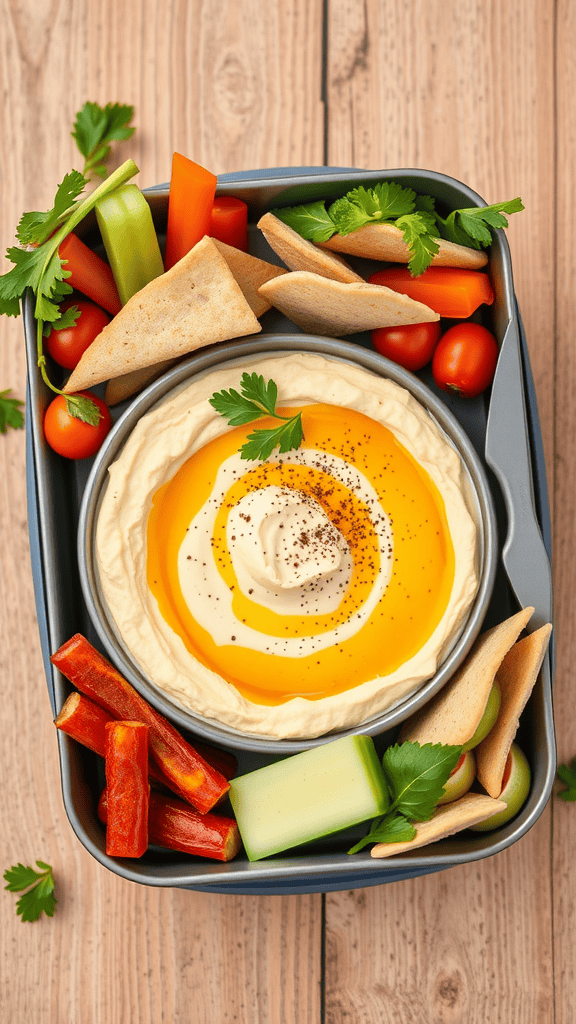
235	353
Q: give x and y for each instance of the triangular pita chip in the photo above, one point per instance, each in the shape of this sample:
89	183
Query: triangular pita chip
386	242
446	820
453	715
516	676
299	254
128	384
320	306
250	273
195	303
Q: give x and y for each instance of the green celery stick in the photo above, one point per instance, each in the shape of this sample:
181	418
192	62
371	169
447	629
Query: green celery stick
309	795
130	240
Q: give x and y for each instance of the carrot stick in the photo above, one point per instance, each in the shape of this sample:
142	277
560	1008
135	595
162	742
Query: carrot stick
189	774
128	789
89	274
174	824
229	222
190	202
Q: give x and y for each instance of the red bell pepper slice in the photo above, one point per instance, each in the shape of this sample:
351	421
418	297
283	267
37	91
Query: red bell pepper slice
449	291
229	222
128	789
89	274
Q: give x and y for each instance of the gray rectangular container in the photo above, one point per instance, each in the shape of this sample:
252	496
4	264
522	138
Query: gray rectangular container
55	486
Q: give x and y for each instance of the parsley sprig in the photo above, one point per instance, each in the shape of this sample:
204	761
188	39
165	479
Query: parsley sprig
10	415
95	128
39	896
258	399
414	215
416	776
567	774
40	268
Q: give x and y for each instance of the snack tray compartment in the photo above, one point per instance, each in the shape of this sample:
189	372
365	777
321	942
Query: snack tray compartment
54	490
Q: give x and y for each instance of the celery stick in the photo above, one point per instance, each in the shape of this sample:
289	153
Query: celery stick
309	795
130	240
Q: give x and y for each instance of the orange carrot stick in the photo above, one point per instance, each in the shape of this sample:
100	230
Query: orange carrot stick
190	202
89	274
128	789
229	222
174	824
189	774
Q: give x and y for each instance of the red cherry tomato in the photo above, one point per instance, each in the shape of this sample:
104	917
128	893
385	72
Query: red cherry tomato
450	291
465	360
69	344
70	436
411	346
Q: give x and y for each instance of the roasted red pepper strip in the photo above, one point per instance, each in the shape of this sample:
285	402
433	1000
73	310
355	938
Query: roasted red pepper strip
126	760
229	222
89	274
190	202
174	824
189	774
85	722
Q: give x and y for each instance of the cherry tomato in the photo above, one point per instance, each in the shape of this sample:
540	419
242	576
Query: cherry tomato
69	344
465	359
411	345
70	436
450	291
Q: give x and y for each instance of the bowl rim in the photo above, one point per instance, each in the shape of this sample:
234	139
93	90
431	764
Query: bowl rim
199	364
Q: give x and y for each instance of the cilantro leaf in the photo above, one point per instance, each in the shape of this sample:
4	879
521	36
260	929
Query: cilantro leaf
383	203
311	220
10	415
416	776
39	896
472	226
567	774
67	318
392	828
36	227
256	400
415	228
95	128
83	409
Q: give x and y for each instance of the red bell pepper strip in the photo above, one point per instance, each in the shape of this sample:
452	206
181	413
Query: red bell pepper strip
89	274
189	774
229	222
449	291
174	824
190	202
126	760
85	722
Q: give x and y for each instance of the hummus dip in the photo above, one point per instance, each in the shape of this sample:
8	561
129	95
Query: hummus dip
301	595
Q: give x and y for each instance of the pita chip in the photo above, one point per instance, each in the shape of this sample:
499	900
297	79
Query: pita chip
195	303
321	306
128	384
453	715
250	273
299	254
386	242
517	675
446	821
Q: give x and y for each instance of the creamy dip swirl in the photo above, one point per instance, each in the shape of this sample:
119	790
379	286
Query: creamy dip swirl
287	554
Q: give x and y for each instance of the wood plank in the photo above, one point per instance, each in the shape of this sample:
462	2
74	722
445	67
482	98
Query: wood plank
235	86
564	883
465	89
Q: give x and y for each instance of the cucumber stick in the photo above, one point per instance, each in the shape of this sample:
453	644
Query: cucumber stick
130	240
309	795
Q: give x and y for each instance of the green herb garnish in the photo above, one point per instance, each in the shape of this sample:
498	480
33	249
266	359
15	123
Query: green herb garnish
258	399
414	215
10	415
416	776
567	774
39	896
95	128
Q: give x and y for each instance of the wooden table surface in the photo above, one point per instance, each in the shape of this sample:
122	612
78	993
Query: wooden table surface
483	91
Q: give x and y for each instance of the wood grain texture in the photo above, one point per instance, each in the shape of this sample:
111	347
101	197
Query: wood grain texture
464	88
233	86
